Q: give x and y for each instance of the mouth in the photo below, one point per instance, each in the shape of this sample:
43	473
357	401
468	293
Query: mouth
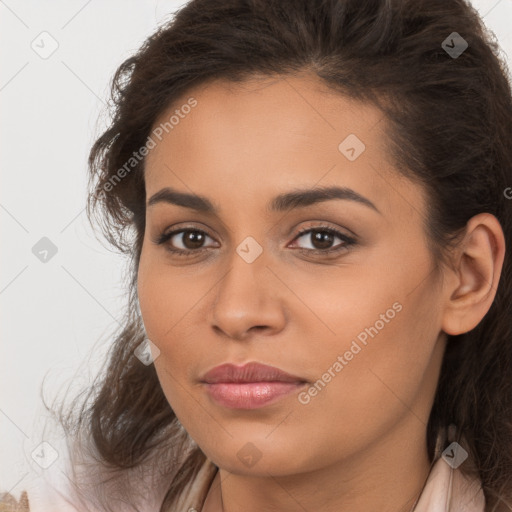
250	386
250	395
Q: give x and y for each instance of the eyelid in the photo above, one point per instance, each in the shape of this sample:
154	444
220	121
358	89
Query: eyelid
315	225
166	234
347	241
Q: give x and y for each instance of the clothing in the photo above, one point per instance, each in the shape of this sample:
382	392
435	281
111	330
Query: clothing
446	490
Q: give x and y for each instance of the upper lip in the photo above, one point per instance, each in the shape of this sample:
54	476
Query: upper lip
250	372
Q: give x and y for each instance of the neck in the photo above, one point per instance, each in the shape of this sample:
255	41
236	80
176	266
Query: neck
388	476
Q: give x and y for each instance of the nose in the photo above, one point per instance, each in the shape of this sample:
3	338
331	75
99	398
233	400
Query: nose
248	299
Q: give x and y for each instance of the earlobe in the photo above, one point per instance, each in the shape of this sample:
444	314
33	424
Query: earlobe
477	274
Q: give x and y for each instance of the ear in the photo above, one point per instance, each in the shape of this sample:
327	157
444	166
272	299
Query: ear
472	286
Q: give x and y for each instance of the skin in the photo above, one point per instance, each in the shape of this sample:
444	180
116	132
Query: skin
366	429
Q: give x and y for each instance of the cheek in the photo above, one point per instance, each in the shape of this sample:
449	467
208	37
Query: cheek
372	389
166	309
376	360
387	370
169	327
164	301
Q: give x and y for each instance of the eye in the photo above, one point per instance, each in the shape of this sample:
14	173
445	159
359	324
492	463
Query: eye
190	240
322	238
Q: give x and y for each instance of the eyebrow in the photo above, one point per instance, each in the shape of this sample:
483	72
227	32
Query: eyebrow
298	198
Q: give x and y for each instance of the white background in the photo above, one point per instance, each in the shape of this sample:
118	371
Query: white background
56	315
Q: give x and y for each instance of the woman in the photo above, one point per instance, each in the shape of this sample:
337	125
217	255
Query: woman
314	196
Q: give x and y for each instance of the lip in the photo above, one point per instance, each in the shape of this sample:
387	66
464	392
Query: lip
250	386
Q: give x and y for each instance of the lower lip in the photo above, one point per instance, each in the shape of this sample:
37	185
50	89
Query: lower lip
250	395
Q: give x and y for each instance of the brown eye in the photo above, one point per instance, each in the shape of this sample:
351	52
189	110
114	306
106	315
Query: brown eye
192	239
184	242
322	238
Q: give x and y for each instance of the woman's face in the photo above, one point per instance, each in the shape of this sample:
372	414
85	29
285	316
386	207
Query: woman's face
353	312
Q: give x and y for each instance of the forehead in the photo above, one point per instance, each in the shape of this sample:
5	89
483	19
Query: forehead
269	135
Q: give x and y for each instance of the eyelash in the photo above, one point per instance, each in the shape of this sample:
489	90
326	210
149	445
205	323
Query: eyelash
347	241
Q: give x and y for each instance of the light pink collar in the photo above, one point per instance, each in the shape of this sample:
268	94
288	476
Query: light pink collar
448	490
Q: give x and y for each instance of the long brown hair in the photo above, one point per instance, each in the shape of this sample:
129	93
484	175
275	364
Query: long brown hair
451	131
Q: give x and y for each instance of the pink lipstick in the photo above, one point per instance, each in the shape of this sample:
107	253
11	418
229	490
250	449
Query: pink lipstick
250	386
